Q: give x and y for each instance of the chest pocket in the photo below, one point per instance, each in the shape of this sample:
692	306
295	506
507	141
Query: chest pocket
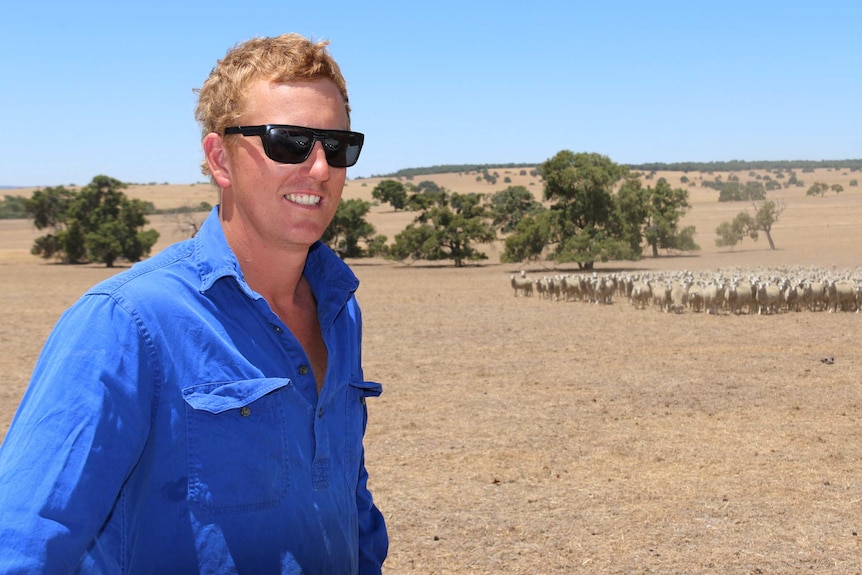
236	444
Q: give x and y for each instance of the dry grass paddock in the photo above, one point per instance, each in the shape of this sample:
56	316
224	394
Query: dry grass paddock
522	436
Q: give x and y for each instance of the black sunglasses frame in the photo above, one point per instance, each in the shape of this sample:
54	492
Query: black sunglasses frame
342	157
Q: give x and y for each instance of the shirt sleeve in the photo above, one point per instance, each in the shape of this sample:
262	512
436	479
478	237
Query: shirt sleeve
373	538
76	436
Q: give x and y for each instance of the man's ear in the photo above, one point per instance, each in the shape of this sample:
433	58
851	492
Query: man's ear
216	157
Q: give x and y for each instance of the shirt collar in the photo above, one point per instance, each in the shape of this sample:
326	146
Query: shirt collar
324	270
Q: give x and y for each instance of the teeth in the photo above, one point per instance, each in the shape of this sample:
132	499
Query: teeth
304	199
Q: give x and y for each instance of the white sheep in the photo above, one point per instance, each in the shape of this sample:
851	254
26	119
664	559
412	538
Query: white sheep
640	295
840	295
713	297
740	294
522	284
678	296
767	297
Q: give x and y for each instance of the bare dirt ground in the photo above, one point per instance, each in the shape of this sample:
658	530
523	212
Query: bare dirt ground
520	435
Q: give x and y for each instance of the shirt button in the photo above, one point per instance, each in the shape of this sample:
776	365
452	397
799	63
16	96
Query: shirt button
303	369
277	329
245	411
320	412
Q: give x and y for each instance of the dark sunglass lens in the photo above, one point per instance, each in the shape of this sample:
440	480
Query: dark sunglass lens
349	146
336	148
292	145
289	146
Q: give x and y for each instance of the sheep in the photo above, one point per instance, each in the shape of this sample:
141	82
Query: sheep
713	297
695	297
815	292
603	290
543	287
767	297
570	288
522	284
772	291
840	295
740	294
678	297
555	288
640	295
661	296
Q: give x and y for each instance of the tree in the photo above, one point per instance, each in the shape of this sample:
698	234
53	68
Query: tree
98	223
666	206
13	208
48	207
632	210
587	227
530	237
446	227
744	224
391	192
349	227
509	206
817	189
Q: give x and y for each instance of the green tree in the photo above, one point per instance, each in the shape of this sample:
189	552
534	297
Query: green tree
817	189
446	228
587	227
349	227
13	207
98	223
632	210
391	192
48	207
744	224
510	205
667	206
531	237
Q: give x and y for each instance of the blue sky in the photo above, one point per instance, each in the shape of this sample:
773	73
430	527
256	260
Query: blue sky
106	87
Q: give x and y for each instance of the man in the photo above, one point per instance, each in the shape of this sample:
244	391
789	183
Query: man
204	411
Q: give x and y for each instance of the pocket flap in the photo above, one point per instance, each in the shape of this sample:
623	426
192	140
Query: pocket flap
222	396
368	388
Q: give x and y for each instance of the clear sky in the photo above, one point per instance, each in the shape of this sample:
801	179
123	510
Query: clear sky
106	87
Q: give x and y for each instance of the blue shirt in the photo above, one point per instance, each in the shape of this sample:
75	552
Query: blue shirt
173	425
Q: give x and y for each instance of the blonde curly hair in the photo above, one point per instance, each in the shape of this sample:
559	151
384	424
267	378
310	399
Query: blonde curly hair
285	58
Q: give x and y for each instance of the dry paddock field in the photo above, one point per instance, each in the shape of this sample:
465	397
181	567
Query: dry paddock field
520	435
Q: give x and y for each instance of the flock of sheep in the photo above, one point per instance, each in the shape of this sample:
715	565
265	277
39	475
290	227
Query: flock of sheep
737	291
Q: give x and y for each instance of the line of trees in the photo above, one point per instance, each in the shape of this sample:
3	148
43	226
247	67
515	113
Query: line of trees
593	210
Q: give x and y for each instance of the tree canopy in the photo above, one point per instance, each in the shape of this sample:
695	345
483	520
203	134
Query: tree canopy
598	211
446	228
98	223
745	225
349	227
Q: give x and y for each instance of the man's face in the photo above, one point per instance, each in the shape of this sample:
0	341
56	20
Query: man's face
267	204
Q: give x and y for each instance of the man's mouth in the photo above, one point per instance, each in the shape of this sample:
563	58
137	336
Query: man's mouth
303	199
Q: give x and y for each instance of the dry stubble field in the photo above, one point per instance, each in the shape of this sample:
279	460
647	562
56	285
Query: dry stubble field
518	435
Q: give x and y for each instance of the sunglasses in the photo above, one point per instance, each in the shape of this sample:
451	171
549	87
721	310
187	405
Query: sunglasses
293	144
